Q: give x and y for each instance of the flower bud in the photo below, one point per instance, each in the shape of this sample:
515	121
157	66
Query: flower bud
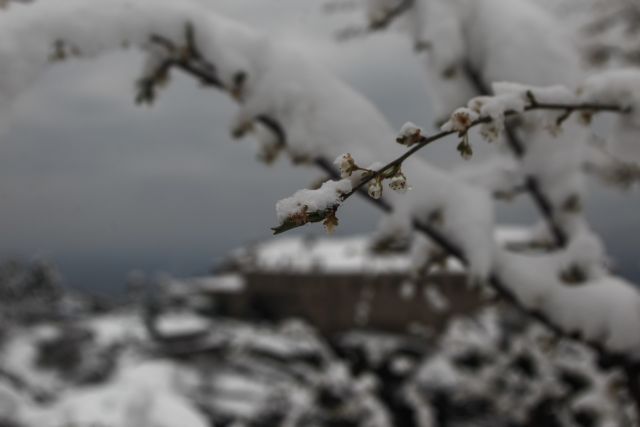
346	164
375	189
461	120
409	134
399	183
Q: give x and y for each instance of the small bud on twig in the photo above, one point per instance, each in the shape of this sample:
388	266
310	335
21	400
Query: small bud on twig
399	183
465	147
346	164
375	188
409	134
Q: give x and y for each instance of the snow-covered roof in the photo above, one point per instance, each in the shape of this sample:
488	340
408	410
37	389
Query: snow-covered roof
338	255
351	254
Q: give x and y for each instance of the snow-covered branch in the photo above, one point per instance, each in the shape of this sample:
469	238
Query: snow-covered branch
489	113
573	280
579	310
464	48
314	117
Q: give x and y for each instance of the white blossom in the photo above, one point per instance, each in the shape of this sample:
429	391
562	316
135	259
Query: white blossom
345	164
399	183
461	120
409	134
375	189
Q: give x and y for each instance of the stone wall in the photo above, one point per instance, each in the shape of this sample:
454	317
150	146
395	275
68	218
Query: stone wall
337	302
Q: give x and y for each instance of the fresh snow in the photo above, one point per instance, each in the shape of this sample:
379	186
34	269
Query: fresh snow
323	117
327	196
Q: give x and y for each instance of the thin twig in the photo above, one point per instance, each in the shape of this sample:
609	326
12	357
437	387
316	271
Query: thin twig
380	23
391	14
424	141
203	70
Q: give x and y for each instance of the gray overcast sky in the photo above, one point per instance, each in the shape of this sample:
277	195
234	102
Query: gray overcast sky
101	187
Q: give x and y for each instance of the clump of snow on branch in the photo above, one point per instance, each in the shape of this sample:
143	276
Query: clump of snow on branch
437	34
618	87
409	134
300	208
576	295
327	196
500	175
462	212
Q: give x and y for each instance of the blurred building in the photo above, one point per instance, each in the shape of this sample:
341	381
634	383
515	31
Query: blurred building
336	284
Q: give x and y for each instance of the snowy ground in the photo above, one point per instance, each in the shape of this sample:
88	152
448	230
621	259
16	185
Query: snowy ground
125	369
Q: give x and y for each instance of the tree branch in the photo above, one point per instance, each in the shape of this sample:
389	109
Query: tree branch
531	183
390	15
378	23
630	366
532	106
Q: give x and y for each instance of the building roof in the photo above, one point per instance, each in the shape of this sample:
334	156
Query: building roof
338	255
